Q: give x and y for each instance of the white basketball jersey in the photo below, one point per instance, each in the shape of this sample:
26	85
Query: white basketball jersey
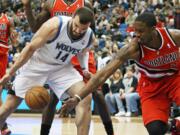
62	48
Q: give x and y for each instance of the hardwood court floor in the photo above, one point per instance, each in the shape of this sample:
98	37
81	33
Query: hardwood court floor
28	124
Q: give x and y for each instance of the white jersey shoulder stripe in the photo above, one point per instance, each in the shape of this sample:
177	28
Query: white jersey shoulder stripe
59	30
90	40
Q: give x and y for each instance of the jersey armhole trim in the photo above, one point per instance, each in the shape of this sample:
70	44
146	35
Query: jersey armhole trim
170	37
59	29
90	40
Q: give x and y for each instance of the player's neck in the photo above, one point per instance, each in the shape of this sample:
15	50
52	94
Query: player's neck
71	33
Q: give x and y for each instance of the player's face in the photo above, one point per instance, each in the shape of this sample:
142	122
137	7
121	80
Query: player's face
143	33
78	29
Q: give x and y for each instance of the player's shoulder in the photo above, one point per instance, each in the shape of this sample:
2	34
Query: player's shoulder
64	19
59	20
54	20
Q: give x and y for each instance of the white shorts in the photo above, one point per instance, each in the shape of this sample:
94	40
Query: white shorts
58	77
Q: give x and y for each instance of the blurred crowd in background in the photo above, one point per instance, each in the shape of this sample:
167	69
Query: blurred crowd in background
114	29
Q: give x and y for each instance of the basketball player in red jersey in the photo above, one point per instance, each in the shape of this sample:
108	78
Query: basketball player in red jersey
156	52
67	7
6	32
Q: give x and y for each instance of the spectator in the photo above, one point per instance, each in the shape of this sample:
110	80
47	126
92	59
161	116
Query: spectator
128	93
114	83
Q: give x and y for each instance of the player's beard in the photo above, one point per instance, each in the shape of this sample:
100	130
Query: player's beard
74	34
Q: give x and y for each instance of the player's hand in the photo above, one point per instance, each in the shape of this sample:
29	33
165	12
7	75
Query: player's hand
68	105
87	74
62	115
26	2
5	79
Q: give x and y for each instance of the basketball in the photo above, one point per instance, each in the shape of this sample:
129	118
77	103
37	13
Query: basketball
37	97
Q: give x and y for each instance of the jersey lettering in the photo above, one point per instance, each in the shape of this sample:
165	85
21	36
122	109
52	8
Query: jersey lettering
162	60
65	51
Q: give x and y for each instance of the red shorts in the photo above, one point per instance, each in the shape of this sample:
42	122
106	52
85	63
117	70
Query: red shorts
157	95
3	64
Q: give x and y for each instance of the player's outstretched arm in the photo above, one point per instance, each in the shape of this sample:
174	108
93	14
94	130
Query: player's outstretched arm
35	21
45	33
127	52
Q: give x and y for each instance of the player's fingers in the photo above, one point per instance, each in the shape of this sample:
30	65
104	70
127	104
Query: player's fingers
63	110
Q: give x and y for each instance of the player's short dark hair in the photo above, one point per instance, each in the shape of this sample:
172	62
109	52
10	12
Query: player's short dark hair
85	14
148	18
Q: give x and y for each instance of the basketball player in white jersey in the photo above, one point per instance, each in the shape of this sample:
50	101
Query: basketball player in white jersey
46	59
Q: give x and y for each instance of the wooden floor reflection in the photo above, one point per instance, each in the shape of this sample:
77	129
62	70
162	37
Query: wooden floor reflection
26	124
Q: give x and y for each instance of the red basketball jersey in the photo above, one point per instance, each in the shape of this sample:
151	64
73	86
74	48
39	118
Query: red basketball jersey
62	8
162	62
4	33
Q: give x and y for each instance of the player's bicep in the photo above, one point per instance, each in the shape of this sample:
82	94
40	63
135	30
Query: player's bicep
175	33
125	53
130	51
